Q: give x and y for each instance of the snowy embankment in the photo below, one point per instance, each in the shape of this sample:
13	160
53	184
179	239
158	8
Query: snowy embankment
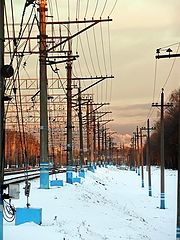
109	204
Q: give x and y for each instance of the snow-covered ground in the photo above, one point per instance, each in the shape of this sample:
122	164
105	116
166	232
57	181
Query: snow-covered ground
109	204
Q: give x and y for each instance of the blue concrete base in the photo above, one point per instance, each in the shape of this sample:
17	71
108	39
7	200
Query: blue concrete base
162	201
132	169
56	183
1	219
91	168
24	215
178	233
76	179
44	175
82	173
142	184
150	191
69	176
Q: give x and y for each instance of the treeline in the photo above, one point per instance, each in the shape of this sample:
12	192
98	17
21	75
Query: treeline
171	128
24	150
19	153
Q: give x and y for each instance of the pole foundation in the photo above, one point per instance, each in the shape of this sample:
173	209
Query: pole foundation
44	175
162	201
150	191
178	233
24	215
1	220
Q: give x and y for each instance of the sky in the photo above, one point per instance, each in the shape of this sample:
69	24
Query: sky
108	204
138	28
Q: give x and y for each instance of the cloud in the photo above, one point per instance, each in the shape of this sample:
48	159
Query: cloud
128	117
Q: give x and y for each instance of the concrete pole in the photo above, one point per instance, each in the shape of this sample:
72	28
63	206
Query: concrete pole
2	135
102	144
138	157
91	135
69	111
105	145
99	146
178	182
94	138
88	135
162	197
69	155
44	162
135	151
141	158
80	129
148	159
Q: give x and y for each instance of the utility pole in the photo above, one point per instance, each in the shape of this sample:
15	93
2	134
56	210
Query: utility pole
99	146
1	115
110	151
88	135
138	156
44	163
94	138
131	156
105	146
80	130
148	160
141	158
170	55
69	155
162	105
178	183
135	150
91	135
102	144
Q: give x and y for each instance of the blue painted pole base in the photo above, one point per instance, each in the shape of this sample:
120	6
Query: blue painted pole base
142	184
91	168
69	177
82	173
24	215
1	220
44	175
150	191
162	201
138	171
56	183
76	180
178	233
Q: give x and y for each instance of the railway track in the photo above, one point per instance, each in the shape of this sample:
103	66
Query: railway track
17	176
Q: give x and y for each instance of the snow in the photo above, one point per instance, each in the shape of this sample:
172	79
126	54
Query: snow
109	204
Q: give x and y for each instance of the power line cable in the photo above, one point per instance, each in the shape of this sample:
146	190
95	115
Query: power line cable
113	8
172	66
86	9
95	8
94	36
103	8
103	51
